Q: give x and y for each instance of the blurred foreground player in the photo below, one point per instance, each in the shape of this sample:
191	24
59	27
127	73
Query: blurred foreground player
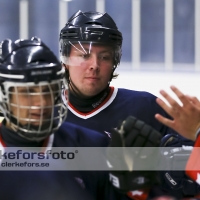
30	99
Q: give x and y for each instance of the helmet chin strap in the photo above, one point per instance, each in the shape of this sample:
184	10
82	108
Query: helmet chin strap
111	76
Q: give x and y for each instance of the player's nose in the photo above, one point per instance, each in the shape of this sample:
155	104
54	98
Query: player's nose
40	100
94	62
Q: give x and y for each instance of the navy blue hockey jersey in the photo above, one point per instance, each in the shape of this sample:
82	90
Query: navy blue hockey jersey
119	104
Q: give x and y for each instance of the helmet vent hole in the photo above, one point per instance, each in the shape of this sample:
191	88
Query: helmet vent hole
94	23
70	34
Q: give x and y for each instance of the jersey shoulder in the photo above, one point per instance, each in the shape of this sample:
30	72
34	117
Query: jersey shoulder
137	100
135	94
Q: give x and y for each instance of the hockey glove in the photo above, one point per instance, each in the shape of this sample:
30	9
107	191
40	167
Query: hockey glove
133	133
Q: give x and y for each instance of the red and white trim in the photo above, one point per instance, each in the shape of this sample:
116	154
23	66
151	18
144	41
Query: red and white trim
109	99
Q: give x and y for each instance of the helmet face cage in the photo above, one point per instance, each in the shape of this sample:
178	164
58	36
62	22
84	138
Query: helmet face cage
34	111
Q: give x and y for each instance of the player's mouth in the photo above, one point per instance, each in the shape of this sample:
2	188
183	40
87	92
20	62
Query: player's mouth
39	115
92	78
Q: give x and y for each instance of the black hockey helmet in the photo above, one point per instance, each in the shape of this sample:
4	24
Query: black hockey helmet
28	61
91	27
28	64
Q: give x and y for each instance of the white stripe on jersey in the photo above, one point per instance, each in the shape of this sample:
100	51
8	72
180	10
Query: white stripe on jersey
91	114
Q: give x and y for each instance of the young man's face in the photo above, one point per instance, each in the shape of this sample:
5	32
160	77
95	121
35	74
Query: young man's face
32	105
90	67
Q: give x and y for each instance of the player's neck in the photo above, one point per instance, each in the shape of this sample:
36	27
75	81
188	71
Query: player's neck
87	104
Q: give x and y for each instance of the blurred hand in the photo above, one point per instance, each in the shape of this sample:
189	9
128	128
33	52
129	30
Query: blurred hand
186	117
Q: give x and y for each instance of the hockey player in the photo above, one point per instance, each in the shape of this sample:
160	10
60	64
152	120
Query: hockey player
90	46
30	98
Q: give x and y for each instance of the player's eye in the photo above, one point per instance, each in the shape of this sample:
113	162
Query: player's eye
85	56
46	90
22	91
106	57
31	90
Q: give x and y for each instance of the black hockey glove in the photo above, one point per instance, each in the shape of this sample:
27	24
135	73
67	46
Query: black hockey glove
176	182
139	163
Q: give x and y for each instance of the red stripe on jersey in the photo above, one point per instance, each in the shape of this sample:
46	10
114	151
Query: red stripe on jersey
138	194
2	142
193	165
